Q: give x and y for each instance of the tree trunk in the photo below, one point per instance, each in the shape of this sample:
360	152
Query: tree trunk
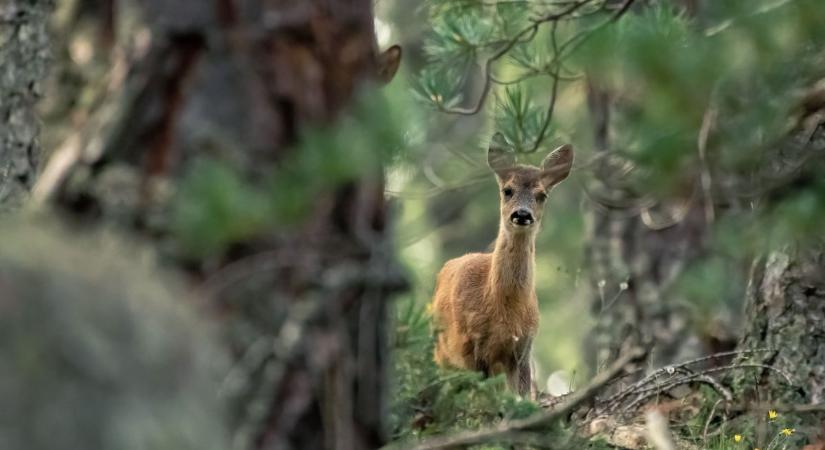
24	52
636	254
305	309
785	313
634	269
785	298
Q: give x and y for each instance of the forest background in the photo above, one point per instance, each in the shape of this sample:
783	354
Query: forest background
223	228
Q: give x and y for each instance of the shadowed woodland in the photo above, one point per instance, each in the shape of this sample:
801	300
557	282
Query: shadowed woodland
223	220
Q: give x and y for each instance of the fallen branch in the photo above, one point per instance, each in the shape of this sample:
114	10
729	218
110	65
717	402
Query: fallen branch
643	385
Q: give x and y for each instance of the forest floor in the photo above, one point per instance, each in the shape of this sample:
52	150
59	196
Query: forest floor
676	407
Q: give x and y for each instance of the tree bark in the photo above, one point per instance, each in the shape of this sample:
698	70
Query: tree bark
305	309
785	312
24	52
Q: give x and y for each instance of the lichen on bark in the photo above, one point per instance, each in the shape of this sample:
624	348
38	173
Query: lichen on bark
24	52
785	313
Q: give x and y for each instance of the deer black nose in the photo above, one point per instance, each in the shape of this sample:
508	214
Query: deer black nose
522	217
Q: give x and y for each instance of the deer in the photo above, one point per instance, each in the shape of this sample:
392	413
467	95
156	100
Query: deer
485	309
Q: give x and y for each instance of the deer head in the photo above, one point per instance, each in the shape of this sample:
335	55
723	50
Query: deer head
524	189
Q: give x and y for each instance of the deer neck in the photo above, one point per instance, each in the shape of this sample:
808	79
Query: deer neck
514	260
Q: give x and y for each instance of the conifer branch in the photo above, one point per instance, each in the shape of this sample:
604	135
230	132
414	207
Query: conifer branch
525	35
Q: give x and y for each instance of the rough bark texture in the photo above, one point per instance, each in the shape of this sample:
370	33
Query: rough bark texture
785	298
785	313
24	58
305	309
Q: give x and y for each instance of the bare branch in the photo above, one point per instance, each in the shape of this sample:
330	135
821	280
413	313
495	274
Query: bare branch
622	10
669	370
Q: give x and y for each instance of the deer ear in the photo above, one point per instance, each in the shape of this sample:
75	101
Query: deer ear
556	166
388	63
498	158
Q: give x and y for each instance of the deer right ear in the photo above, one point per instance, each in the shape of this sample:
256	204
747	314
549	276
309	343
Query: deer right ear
498	158
556	166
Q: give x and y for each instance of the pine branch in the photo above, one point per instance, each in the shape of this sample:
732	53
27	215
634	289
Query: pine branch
523	36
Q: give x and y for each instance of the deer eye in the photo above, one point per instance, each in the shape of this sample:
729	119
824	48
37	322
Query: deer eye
541	196
508	192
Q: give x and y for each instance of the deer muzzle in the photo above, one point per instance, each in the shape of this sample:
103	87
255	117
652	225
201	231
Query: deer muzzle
522	217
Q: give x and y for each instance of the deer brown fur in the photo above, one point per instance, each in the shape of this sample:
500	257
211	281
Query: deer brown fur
485	307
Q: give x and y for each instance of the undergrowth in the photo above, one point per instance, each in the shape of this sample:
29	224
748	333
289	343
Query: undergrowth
429	400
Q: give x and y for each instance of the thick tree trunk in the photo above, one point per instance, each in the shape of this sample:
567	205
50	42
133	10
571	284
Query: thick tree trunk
305	309
785	313
785	299
24	58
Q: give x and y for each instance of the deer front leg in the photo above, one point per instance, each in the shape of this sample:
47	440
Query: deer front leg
524	379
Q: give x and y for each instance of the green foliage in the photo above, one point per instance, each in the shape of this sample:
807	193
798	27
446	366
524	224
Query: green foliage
747	68
746	60
458	34
218	204
704	284
217	207
440	87
519	119
99	351
734	70
430	400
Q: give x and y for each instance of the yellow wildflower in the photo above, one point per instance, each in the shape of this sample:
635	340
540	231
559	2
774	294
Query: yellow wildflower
772	414
737	438
788	431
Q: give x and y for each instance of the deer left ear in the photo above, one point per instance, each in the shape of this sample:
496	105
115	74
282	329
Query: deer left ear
498	158
388	63
556	166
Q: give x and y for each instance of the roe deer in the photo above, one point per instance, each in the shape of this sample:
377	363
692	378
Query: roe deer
484	305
